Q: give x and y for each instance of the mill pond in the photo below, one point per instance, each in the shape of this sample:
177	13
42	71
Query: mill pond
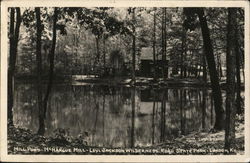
155	79
107	117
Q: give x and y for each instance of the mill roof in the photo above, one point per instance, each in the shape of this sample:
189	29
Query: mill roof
147	53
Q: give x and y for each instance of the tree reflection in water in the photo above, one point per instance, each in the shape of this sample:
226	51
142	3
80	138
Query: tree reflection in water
118	116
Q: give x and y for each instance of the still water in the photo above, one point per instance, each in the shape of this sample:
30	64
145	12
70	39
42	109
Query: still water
117	116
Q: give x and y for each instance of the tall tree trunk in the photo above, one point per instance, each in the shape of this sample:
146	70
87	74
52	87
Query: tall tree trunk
204	69
181	113
184	102
51	68
154	42
204	100
218	66
238	86
76	43
212	70
97	38
51	59
200	67
164	43
230	99
153	119
96	116
104	52
133	48
242	63
14	35
212	110
11	67
183	49
41	129
132	142
163	116
217	57
103	117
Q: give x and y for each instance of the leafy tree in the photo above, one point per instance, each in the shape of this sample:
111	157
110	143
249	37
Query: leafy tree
52	56
101	23
41	20
191	23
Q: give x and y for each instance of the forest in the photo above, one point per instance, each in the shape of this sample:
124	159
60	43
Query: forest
130	77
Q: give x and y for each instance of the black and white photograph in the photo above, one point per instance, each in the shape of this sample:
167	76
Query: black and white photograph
124	80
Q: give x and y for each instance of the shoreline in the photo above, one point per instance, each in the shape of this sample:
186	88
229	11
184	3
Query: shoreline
125	81
23	141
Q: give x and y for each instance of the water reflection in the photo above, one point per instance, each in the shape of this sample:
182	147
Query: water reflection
117	116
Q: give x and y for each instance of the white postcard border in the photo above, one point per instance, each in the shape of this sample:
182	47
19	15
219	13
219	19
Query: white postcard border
119	158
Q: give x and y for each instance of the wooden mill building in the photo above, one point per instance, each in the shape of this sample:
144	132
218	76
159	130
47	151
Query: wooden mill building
147	63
